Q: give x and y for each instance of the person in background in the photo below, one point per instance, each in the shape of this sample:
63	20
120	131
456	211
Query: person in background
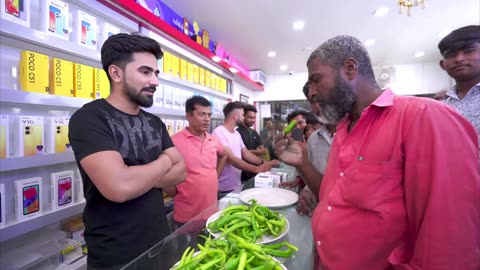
312	125
235	149
461	60
300	116
202	153
250	137
266	135
440	95
394	183
125	157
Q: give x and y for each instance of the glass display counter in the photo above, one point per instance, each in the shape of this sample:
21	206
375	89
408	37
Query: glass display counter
169	251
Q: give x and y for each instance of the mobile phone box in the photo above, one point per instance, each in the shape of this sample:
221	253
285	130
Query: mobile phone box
29	199
61	79
29	136
63	189
33	69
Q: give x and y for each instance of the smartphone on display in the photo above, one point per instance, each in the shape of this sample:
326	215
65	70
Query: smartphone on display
12	7
64	191
297	134
31	199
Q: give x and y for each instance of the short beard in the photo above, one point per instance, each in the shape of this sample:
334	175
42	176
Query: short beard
341	101
141	100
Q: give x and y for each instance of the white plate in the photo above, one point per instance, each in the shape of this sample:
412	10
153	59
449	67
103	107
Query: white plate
269	197
196	253
265	239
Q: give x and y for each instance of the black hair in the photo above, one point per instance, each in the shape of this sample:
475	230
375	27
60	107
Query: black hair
305	89
249	108
232	106
196	100
312	120
118	49
295	114
459	39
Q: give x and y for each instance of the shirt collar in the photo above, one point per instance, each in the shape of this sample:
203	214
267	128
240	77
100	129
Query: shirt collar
385	99
452	92
188	134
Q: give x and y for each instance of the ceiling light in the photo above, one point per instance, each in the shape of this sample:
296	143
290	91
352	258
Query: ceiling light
271	54
216	58
298	25
369	42
419	54
381	12
283	67
444	33
233	70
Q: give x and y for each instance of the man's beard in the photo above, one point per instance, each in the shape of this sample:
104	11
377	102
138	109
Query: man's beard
335	107
141	100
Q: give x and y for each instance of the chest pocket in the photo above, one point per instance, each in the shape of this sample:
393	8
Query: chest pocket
209	158
372	184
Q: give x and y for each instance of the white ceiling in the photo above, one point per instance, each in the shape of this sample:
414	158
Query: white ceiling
248	29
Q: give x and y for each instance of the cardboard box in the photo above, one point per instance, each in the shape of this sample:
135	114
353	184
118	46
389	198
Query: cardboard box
56	135
61	79
34	75
82	80
85	29
16	11
196	74
175	66
29	198
63	187
190	71
201	75
55	18
101	85
208	79
29	140
167	62
183	69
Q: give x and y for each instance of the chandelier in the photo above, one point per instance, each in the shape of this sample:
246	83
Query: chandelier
408	4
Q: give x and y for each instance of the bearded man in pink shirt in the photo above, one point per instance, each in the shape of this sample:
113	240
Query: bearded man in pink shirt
402	185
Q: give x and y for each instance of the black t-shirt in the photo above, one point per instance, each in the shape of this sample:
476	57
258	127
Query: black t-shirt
117	233
252	141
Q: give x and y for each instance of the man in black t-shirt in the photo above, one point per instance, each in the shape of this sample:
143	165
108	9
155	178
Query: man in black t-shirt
250	137
125	157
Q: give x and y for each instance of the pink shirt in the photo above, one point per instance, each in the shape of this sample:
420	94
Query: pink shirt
199	190
401	190
230	178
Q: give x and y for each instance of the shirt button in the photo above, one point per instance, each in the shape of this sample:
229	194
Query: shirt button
318	243
329	208
341	174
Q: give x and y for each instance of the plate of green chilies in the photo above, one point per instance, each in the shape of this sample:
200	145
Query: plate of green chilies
253	223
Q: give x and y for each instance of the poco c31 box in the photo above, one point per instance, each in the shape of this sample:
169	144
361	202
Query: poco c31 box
17	11
33	72
29	136
208	80
63	187
4	136
196	75
213	80
175	66
183	69
85	29
167	62
29	198
61	79
101	85
190	71
55	18
56	133
82	81
201	76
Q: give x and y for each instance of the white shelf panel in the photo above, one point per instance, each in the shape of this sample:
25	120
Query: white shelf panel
26	34
80	264
17	229
192	86
17	163
29	98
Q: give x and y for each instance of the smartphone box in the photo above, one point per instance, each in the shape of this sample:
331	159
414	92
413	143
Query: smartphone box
33	69
82	80
61	80
175	66
176	98
183	69
196	75
189	71
158	96
2	206
101	85
223	85
170	124
55	18
29	140
107	30
178	126
262	180
167	62
85	29
17	11
201	76
63	187
4	136
213	80
185	95
167	96
208	80
79	196
56	134
218	83
28	198
185	123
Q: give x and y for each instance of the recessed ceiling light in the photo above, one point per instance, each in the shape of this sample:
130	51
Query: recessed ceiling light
369	42
216	58
298	25
381	12
443	33
233	70
271	54
283	67
419	54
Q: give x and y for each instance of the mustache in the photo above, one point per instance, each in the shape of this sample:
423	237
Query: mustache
151	89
